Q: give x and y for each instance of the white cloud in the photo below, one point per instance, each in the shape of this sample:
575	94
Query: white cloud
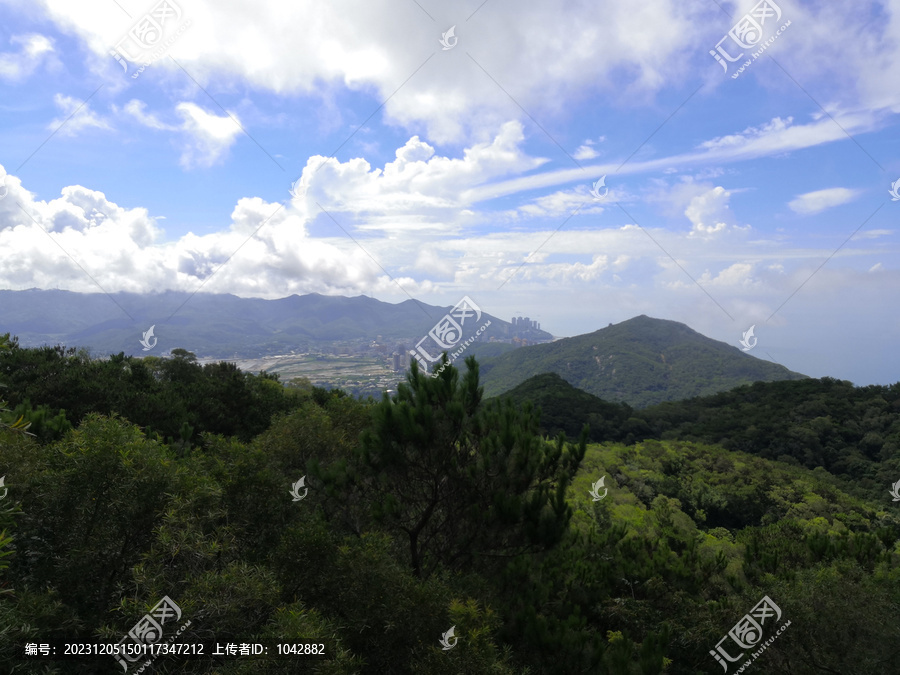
120	248
77	116
873	234
418	185
775	137
320	48
709	212
434	264
34	49
738	274
313	48
136	109
206	137
749	135
564	203
209	136
586	150
819	200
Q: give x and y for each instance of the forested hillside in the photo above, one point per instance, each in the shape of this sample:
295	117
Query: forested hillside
567	409
642	362
433	509
852	432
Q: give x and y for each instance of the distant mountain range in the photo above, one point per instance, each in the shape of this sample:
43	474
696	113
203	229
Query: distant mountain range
219	325
641	362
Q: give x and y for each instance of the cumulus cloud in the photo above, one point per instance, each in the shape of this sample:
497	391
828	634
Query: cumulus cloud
265	248
738	274
90	233
820	200
313	48
119	248
395	213
709	212
418	183
512	56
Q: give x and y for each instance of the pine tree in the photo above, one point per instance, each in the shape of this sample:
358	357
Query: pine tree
463	482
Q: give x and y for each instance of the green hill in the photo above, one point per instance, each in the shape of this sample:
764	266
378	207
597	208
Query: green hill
642	361
852	432
565	408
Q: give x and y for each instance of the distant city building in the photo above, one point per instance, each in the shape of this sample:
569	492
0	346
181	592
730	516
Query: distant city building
524	323
396	361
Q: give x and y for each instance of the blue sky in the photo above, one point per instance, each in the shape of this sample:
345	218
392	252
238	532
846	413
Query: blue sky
434	173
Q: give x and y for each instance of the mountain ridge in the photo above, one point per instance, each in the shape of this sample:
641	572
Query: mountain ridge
220	325
641	361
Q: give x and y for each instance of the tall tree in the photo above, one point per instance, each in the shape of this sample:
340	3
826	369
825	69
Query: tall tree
460	481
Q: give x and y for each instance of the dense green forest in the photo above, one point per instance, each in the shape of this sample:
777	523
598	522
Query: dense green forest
851	432
642	362
129	480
